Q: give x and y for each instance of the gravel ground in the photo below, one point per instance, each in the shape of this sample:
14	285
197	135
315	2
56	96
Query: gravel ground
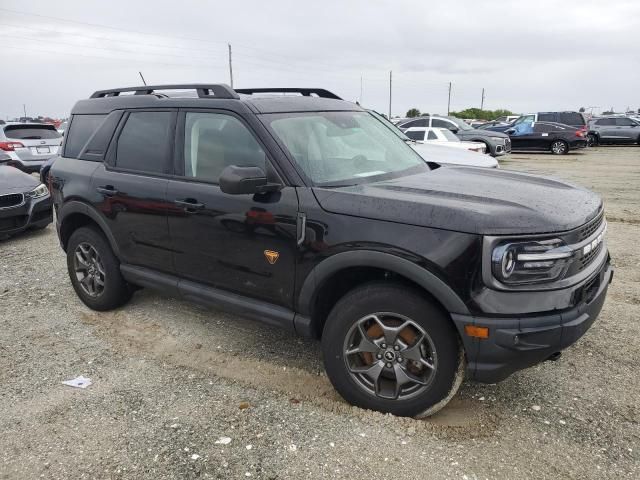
171	379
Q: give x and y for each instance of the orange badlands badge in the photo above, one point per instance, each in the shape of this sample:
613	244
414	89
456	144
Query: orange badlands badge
271	256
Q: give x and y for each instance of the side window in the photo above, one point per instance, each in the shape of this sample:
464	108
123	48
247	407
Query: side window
525	119
213	141
421	122
79	133
571	118
143	144
432	135
624	122
548	117
415	135
606	122
437	123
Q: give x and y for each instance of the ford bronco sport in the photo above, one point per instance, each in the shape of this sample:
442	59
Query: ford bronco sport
306	212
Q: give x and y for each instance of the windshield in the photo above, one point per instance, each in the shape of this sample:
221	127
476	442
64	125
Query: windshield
344	148
462	125
449	135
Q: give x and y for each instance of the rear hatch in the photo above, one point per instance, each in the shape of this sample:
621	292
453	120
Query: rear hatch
32	141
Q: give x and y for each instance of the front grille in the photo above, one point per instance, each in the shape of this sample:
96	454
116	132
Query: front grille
12	223
586	259
587	230
11	200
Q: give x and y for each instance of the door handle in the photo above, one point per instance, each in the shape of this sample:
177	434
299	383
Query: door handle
189	204
107	190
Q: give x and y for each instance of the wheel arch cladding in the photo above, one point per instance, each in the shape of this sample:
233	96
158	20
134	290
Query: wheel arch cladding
363	262
76	214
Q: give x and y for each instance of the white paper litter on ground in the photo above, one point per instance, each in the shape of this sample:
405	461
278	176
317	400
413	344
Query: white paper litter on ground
78	382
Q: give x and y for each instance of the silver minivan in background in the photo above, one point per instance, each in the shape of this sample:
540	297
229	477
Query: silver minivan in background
29	144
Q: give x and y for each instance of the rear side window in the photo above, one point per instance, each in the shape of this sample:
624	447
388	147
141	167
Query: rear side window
422	122
415	135
79	133
432	135
547	117
571	118
31	132
606	121
143	144
625	122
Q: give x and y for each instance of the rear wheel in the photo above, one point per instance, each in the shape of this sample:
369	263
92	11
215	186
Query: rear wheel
94	271
559	147
387	348
592	140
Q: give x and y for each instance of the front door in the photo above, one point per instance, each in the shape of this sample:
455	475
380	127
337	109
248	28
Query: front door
245	244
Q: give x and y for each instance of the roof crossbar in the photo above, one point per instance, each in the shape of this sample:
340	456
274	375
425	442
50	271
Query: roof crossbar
219	90
307	92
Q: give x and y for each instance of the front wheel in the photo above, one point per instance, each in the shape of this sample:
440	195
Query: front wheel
388	348
592	140
559	147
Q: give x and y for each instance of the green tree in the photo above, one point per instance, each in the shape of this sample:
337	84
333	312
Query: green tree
582	110
413	112
476	113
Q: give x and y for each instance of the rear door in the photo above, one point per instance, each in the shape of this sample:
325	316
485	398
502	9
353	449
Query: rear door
132	184
245	244
33	141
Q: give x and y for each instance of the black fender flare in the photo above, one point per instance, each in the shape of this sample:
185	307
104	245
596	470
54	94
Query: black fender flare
75	206
370	258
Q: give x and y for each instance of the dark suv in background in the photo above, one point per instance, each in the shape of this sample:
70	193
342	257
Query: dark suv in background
306	212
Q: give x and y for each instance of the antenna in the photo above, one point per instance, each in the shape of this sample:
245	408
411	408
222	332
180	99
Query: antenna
143	80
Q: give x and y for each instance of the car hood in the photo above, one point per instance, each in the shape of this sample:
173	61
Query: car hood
472	200
13	180
477	132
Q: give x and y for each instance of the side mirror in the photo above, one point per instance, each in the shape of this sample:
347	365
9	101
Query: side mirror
511	131
453	129
236	180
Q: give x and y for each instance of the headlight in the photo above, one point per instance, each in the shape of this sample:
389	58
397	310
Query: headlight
38	192
517	263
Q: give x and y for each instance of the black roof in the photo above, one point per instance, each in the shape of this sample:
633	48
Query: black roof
256	100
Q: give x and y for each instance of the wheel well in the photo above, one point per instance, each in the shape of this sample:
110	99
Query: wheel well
71	223
340	283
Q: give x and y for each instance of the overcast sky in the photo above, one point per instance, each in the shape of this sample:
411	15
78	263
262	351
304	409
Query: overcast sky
528	55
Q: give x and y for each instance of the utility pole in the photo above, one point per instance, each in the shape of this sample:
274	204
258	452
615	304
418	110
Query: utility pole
24	109
482	101
143	80
390	81
449	101
230	67
360	89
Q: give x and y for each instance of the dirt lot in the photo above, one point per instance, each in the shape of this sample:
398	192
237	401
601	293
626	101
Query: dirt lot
170	379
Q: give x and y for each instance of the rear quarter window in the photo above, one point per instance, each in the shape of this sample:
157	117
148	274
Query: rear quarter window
80	131
31	132
572	118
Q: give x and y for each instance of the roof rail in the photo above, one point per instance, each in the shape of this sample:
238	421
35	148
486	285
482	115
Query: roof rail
219	90
320	92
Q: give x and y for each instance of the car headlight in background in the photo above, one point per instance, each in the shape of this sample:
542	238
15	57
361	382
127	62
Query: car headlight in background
517	263
38	192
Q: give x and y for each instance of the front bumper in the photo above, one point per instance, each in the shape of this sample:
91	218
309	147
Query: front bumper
499	148
33	213
517	343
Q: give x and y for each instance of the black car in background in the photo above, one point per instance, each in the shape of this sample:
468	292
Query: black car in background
573	119
546	136
24	201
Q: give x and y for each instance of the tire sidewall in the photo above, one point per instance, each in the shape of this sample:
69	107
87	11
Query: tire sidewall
115	291
566	147
378	298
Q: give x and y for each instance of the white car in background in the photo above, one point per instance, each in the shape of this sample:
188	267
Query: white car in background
443	136
432	152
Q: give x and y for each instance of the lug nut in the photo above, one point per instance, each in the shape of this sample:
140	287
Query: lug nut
396	348
389	365
399	359
384	345
379	356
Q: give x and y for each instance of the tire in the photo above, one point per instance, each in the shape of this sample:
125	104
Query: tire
429	334
559	147
592	140
89	254
488	152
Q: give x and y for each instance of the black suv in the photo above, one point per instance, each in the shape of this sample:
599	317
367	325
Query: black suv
307	212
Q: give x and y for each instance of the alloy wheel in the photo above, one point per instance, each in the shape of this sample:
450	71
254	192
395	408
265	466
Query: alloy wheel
390	356
89	269
558	147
